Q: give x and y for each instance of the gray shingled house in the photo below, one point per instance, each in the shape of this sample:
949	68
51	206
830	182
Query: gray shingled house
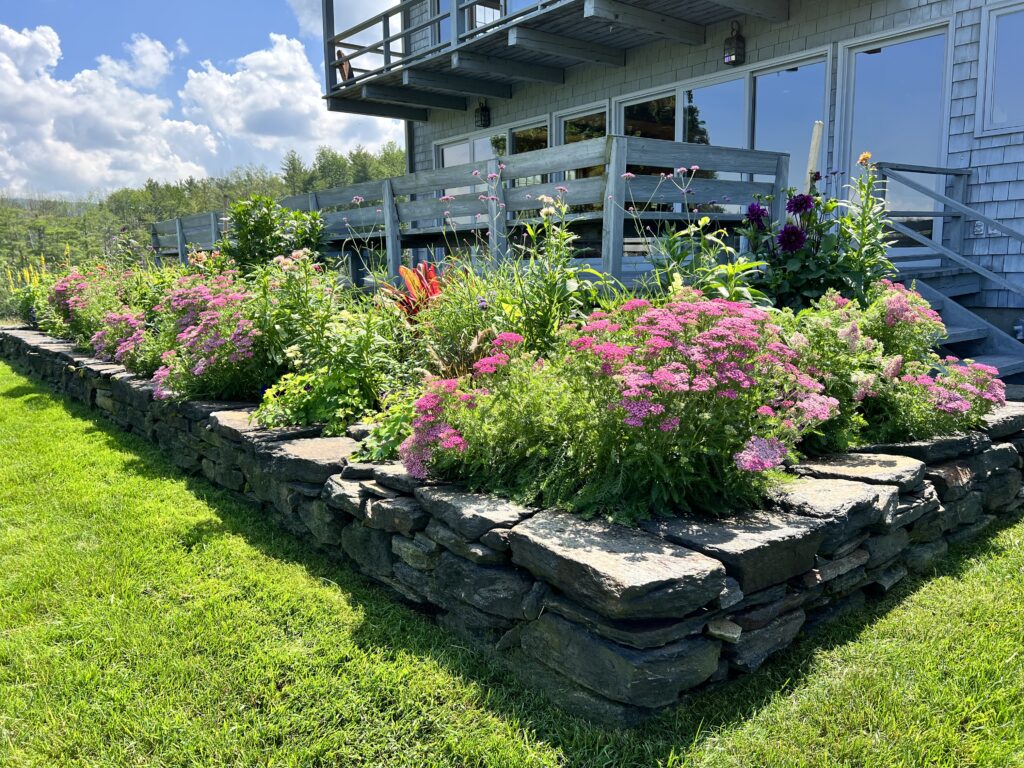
571	93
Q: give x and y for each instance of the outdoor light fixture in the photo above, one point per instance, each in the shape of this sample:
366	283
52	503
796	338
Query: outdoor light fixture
483	115
735	47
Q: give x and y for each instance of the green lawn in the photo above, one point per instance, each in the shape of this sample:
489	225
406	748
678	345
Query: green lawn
149	619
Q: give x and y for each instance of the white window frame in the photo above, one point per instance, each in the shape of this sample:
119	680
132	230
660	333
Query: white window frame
559	118
983	124
539	121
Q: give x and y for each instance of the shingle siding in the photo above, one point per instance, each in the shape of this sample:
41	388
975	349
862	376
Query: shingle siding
996	188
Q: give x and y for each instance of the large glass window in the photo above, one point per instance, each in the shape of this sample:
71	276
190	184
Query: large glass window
653	119
716	114
583	128
896	114
786	105
1004	98
528	140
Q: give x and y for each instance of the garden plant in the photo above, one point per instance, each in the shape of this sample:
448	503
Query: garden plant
534	376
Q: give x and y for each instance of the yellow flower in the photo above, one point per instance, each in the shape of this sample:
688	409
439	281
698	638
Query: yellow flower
864	159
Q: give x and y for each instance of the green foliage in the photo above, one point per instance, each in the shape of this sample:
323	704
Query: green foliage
825	244
694	257
261	229
389	428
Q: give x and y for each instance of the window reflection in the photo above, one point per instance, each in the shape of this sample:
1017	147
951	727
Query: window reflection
584	128
1007	103
786	105
528	140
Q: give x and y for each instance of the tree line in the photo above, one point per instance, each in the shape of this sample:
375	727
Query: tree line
71	230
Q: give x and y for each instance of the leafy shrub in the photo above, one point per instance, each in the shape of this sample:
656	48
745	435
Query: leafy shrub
824	244
679	407
261	229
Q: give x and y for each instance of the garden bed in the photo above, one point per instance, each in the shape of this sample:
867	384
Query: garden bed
611	622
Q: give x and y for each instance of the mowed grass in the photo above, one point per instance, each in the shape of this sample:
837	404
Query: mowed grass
148	619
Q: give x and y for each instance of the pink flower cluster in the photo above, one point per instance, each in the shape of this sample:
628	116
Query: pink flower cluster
213	333
899	307
960	386
430	430
123	333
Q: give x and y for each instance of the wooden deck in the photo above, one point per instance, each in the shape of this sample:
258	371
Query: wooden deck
457	206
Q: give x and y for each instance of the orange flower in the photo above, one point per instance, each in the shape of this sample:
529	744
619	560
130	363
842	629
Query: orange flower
864	159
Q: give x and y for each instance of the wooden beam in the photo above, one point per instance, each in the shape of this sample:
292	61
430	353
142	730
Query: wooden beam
566	47
441	81
773	10
645	21
411	97
375	109
519	70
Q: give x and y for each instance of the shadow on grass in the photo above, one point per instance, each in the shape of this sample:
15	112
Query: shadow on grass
392	626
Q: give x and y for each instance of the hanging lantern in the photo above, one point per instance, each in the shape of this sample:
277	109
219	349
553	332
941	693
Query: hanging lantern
735	52
483	115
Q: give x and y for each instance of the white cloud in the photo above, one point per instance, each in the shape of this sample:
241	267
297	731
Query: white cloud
309	14
102	128
150	63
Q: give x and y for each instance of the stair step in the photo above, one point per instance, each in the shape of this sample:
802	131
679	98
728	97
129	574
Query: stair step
930	273
1007	365
957	334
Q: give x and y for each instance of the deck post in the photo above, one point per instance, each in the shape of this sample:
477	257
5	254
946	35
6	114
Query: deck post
958	225
392	233
329	70
497	232
179	230
614	207
213	229
155	244
781	185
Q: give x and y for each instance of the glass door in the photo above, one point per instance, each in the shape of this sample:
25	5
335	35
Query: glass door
896	113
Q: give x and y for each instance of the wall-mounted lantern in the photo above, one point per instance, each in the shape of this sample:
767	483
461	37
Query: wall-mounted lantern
483	115
735	52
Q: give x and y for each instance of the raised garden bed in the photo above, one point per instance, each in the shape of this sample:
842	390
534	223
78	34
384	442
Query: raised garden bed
613	623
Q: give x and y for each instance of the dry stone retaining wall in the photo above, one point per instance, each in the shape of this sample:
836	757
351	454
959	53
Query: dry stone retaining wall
613	623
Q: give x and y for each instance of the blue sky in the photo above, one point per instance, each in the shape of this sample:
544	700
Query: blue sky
96	94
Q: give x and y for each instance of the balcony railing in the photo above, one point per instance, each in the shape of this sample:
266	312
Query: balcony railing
404	34
462	206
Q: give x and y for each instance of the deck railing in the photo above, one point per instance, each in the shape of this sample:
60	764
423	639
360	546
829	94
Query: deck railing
492	201
401	35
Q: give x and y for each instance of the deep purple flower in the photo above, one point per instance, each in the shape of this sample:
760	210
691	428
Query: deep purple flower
757	215
798	204
791	239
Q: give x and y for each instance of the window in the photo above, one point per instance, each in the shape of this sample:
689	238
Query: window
715	114
528	140
584	128
1002	105
786	105
653	119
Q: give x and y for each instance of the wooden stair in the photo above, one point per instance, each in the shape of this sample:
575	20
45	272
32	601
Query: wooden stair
969	335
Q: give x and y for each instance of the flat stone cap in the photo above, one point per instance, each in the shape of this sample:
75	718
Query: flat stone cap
758	549
1005	421
471	515
621	573
874	468
308	461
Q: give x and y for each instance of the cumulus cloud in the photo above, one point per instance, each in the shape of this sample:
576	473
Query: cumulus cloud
309	14
149	64
104	127
271	102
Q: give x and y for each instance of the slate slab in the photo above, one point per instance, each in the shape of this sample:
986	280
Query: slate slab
308	461
755	646
620	573
471	515
937	449
1005	421
876	468
846	506
652	678
498	590
636	633
757	549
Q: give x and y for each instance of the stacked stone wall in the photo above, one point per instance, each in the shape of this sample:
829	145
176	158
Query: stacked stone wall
613	623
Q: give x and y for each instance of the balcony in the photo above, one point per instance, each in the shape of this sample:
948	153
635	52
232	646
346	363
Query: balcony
422	55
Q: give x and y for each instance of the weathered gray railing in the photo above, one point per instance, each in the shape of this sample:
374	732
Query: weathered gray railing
494	199
400	36
954	208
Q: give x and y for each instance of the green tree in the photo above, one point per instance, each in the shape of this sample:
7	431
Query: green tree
297	176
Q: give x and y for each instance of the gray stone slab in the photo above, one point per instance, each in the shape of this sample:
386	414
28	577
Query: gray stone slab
637	633
471	550
757	549
937	449
471	515
402	514
370	548
755	646
309	461
921	558
499	590
952	480
394	476
345	495
619	572
1005	421
881	549
419	552
876	468
847	507
652	678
